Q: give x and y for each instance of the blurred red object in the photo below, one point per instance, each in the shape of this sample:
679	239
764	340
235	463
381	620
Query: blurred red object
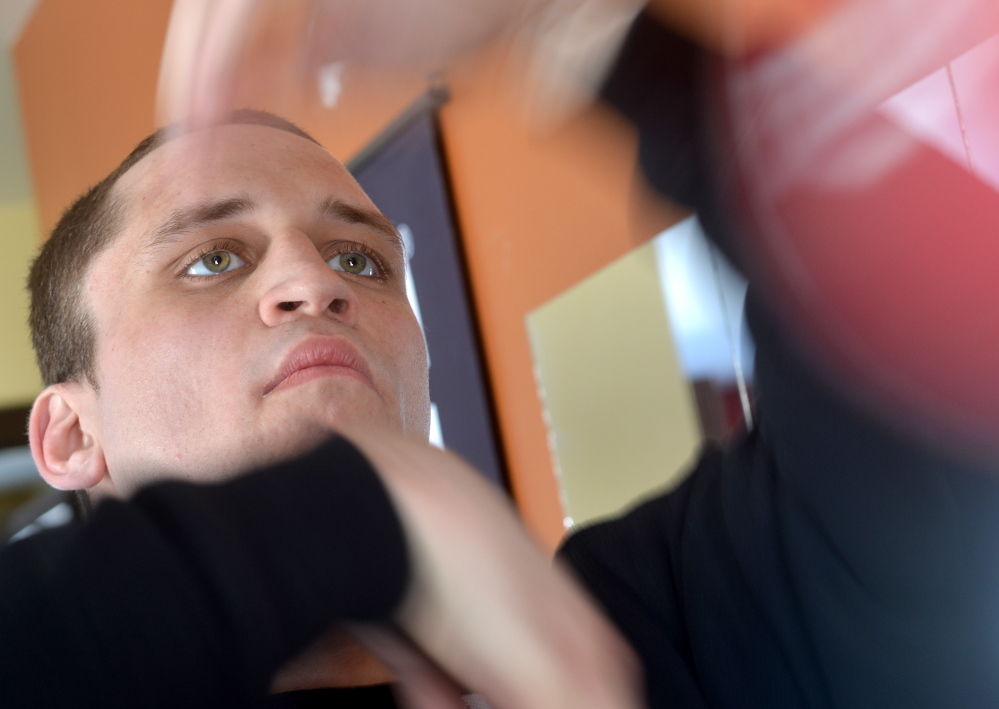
880	247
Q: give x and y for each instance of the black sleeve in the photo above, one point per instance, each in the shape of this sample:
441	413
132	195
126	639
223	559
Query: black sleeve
190	596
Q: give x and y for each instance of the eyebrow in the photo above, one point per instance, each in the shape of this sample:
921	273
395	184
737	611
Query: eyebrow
187	219
338	210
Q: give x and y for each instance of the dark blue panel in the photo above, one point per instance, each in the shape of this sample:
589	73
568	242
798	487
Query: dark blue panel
405	178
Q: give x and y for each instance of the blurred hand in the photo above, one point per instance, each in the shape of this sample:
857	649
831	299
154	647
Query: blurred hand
484	604
214	45
211	43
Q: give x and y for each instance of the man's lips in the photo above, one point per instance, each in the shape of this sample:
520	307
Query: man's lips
317	357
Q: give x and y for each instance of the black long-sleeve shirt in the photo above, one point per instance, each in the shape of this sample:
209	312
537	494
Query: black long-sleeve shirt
190	596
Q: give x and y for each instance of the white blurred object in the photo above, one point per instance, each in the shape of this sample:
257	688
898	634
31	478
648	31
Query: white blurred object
934	110
705	305
406	234
330	80
56	517
17	468
436	433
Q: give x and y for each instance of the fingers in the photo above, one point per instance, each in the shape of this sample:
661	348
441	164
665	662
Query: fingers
200	56
212	46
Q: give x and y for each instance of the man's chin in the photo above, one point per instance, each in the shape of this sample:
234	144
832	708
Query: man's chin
304	421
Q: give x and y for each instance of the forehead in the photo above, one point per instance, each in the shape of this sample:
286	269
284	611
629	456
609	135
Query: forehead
268	164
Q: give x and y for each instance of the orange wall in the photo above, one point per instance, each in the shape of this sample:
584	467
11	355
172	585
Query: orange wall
538	213
86	74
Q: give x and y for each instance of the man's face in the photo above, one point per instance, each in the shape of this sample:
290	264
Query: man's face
253	302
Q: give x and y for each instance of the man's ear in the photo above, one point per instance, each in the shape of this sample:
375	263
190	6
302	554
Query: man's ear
66	450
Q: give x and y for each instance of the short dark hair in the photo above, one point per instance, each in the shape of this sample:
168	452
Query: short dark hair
63	331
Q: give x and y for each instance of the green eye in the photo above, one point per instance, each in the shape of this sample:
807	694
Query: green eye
355	263
217	262
352	262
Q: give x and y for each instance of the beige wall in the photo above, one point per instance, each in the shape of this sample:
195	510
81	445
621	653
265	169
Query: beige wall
620	411
19	238
19	379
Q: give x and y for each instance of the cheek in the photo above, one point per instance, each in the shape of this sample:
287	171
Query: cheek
408	354
158	368
405	343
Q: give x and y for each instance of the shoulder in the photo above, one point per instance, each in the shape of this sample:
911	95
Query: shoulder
650	529
633	565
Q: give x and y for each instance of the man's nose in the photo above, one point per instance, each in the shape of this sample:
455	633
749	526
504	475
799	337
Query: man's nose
300	284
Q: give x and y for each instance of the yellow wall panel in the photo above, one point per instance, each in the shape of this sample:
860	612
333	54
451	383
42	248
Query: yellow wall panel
621	415
19	234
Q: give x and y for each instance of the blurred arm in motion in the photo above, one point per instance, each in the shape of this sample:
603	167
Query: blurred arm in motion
207	52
